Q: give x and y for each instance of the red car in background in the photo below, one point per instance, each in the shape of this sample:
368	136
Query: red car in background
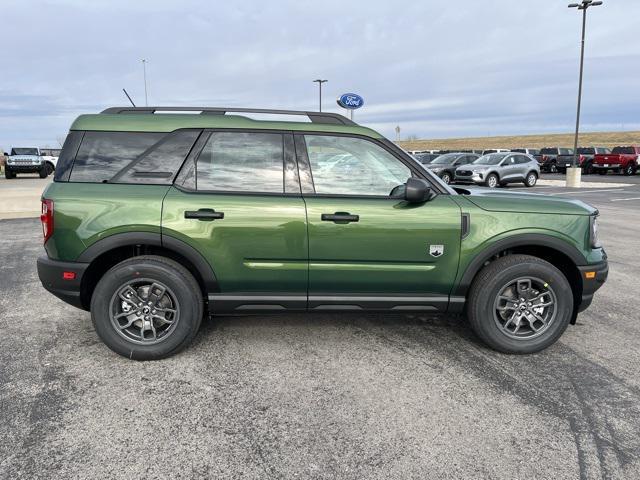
621	160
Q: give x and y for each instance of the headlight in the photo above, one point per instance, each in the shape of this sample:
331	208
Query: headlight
593	227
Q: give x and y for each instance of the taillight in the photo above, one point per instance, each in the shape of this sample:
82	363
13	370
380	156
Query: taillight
580	159
47	218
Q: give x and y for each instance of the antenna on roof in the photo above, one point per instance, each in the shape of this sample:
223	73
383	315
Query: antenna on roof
125	92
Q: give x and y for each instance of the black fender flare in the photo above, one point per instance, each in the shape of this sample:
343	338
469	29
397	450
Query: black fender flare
157	240
521	240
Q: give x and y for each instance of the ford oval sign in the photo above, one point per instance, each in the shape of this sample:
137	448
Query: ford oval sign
350	101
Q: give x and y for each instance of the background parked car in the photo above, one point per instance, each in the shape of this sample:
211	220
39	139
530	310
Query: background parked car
533	152
27	160
551	157
445	165
426	158
586	156
621	159
500	169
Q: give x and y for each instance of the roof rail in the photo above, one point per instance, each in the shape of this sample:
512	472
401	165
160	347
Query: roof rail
315	117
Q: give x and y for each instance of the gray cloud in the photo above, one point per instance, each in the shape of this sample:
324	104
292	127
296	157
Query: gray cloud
435	68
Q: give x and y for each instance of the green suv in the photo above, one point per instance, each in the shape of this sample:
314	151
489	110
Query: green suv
161	215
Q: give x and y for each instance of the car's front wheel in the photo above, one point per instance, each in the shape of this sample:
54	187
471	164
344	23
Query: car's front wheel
43	173
520	304
8	174
446	178
492	180
147	308
531	180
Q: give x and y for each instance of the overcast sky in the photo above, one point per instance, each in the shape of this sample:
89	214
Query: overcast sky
436	68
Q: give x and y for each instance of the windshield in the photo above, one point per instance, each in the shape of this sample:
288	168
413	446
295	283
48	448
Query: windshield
445	159
24	151
624	150
490	159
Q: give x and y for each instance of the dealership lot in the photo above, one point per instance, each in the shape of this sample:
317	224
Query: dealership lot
331	395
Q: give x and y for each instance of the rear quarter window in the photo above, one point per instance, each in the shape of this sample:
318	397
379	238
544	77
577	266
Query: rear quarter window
131	157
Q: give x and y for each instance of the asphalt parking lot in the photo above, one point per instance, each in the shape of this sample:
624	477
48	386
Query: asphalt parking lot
324	396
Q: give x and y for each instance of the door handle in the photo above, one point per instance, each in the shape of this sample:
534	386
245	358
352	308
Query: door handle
339	217
204	214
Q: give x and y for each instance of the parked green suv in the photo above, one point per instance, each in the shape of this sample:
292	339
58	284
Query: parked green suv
158	216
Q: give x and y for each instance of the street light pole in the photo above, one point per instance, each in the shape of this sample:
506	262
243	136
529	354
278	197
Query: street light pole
144	72
584	5
320	82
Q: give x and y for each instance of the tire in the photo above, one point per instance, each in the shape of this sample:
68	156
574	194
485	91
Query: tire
50	168
182	295
587	169
602	172
492	180
531	179
8	174
43	172
553	168
629	170
446	178
503	334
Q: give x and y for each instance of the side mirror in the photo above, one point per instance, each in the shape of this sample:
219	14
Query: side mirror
417	191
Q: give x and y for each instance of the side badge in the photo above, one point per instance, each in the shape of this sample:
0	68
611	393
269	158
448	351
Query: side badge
436	250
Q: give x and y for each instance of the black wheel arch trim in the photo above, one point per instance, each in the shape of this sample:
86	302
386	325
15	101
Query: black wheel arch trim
521	240
158	240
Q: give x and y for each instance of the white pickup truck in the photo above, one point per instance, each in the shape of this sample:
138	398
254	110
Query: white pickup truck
30	160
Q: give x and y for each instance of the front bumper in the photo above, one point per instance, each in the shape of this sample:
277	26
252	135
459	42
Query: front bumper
476	178
51	275
599	273
24	168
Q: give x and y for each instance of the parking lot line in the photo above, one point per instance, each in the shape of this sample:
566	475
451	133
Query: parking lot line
581	192
624	199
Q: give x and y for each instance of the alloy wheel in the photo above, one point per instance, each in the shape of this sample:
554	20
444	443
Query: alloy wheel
144	311
446	178
525	308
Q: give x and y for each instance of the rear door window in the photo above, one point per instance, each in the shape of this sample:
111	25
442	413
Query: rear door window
242	162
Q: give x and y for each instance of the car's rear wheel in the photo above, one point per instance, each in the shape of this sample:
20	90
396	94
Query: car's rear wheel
492	180
446	178
147	308
531	180
520	304
629	170
553	168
